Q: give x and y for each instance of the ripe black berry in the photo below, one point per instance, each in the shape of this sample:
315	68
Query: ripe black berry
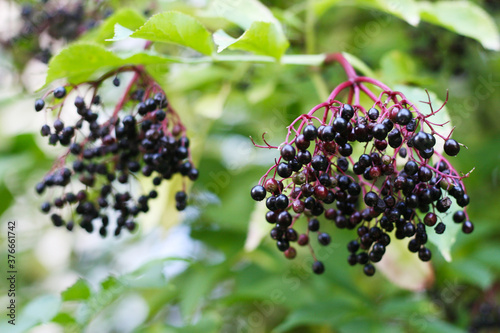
39	104
59	92
404	117
451	147
310	132
318	267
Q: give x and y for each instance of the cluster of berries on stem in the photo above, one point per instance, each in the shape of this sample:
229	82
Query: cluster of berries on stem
96	179
395	183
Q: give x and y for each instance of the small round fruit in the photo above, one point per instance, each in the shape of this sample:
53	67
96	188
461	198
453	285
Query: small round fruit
258	193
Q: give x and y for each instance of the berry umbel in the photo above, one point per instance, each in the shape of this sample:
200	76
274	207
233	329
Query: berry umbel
398	180
94	183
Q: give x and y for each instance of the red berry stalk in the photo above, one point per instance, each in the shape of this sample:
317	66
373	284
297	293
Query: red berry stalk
95	178
390	185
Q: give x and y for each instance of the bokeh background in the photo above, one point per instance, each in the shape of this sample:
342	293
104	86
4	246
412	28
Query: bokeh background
207	269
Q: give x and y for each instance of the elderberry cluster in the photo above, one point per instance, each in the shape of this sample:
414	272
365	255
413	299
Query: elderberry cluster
55	20
388	189
106	154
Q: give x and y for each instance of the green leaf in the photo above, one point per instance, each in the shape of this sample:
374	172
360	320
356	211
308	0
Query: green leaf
418	96
78	291
358	64
439	326
92	58
333	312
243	13
473	272
445	241
405	9
78	62
120	33
177	28
127	18
397	67
464	18
39	311
262	38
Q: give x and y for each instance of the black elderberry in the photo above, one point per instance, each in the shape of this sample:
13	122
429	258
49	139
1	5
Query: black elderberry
116	82
451	147
318	267
59	92
39	104
258	193
371	199
467	227
310	132
288	152
347	111
440	228
324	238
284	170
340	125
281	201
459	216
373	114
313	225
404	117
369	270
424	254
319	163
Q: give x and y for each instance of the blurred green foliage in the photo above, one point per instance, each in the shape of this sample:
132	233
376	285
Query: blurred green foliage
197	276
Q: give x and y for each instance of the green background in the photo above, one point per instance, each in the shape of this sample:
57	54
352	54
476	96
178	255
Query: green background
190	272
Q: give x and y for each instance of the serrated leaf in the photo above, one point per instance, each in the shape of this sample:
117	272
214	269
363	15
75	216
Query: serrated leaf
262	38
222	40
120	33
241	12
127	18
177	28
464	18
79	62
80	290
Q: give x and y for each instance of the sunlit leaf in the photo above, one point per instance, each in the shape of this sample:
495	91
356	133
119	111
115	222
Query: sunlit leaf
463	17
177	28
78	291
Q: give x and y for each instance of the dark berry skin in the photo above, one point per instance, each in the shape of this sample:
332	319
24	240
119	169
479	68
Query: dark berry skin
313	225
451	147
371	199
288	152
324	239
369	270
404	117
347	111
310	132
39	105
424	254
440	228
459	216
284	170
318	267
59	92
373	114
340	125
258	193
467	227
379	131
